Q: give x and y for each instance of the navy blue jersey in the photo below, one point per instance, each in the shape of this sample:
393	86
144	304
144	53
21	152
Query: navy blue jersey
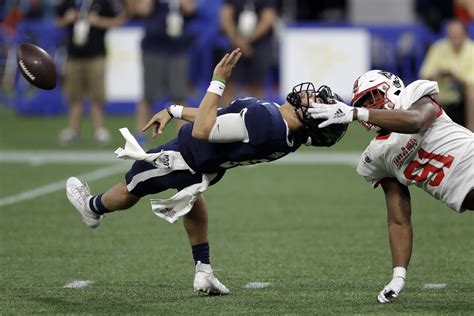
268	139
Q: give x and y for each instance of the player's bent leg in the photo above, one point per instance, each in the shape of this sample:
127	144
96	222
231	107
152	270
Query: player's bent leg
93	208
195	223
468	203
118	198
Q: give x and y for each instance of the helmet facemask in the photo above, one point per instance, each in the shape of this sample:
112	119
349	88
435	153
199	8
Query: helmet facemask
301	97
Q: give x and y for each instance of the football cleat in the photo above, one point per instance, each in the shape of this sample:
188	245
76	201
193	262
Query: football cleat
79	195
206	282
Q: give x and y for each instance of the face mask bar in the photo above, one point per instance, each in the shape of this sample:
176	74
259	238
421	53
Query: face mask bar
301	96
372	98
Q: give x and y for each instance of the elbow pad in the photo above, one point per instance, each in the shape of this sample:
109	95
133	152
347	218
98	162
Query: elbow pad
229	128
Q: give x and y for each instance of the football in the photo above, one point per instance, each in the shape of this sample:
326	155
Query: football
36	66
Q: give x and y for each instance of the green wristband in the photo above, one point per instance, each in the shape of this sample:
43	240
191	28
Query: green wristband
218	79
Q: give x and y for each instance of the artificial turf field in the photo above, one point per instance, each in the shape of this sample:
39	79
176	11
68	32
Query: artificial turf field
315	232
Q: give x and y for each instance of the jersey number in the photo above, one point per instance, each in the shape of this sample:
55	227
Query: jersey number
427	168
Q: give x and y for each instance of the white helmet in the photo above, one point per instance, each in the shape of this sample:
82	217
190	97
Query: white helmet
377	89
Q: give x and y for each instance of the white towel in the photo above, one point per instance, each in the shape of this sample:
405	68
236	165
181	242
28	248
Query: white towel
163	160
182	202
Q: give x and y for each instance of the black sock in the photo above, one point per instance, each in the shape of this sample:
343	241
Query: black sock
97	206
201	253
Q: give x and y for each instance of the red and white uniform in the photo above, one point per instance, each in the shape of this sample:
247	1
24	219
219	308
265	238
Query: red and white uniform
439	160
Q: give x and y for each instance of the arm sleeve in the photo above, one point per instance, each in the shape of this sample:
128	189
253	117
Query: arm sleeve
229	128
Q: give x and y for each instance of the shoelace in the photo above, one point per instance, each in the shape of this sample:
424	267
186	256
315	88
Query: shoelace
82	191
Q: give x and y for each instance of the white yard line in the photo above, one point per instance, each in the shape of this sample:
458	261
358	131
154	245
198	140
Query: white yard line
94	157
51	156
97	157
61	185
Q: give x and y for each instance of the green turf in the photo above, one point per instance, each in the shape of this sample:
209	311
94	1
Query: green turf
316	233
36	132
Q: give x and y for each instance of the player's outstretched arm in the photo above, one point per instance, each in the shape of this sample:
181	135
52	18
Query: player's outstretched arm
158	122
414	120
162	118
400	232
207	111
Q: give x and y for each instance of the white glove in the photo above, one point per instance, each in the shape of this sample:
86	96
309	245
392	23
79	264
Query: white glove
391	290
338	113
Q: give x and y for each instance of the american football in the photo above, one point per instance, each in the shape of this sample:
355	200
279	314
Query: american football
36	66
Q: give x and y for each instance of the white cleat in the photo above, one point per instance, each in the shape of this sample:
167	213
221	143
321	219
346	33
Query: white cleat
79	195
206	282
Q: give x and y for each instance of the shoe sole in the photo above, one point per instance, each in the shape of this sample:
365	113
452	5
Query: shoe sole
208	292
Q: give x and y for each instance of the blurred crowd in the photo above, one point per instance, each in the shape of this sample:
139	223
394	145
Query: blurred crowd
248	24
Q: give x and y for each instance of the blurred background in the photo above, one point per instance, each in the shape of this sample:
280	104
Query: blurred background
285	42
308	225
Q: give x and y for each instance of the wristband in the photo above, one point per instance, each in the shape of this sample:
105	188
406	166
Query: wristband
399	272
175	111
362	114
215	78
216	87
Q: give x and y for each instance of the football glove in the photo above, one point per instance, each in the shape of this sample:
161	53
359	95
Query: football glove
391	290
337	113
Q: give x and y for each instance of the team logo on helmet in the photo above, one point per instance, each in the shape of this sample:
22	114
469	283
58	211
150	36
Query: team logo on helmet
386	74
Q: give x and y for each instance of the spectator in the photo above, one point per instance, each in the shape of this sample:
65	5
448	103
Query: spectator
87	22
249	26
165	49
450	62
464	10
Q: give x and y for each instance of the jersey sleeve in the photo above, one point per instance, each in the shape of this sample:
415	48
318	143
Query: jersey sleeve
372	168
258	124
235	106
263	121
